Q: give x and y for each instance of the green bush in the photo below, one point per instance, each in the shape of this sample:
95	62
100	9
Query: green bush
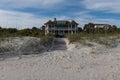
46	40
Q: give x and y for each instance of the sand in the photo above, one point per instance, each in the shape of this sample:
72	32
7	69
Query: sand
78	62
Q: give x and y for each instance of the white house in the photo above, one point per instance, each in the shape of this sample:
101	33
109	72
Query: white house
61	27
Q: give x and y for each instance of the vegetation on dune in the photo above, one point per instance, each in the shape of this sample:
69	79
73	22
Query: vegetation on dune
87	33
47	40
13	32
97	34
108	39
5	33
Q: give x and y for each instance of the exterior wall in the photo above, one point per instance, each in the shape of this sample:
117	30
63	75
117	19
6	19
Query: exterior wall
102	26
52	29
46	30
99	26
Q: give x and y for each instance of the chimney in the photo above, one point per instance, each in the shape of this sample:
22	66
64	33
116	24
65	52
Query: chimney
55	19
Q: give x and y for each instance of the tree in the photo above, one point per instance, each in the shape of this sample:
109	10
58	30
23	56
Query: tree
42	30
25	32
35	29
11	30
89	28
79	29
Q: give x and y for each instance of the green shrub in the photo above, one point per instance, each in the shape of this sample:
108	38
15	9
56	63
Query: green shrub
46	40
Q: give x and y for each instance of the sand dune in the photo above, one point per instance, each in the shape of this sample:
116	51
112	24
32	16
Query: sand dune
78	62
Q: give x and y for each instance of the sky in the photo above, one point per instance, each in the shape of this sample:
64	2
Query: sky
28	13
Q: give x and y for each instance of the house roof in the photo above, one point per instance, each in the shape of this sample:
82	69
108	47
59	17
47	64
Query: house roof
61	22
101	24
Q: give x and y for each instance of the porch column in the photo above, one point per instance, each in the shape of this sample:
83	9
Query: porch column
68	28
75	29
71	29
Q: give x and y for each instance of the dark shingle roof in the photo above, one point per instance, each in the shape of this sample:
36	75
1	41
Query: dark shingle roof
101	24
61	22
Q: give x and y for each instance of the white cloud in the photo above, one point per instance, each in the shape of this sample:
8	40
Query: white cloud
29	3
24	20
84	18
20	19
111	6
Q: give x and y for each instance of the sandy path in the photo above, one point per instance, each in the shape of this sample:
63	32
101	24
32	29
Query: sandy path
59	44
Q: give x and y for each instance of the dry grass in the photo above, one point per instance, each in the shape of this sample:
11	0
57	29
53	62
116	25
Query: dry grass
105	39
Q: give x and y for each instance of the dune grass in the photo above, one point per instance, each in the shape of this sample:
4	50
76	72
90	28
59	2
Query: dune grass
105	39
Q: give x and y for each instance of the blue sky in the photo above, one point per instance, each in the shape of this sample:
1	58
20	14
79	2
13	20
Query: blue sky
29	13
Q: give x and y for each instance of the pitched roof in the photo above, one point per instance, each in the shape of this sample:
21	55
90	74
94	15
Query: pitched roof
73	22
101	24
61	22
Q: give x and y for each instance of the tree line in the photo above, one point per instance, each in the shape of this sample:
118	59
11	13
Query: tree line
13	32
39	32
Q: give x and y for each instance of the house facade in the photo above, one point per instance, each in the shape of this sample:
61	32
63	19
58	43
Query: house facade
93	28
61	27
105	26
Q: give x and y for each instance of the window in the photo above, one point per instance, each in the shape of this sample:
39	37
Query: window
49	26
73	26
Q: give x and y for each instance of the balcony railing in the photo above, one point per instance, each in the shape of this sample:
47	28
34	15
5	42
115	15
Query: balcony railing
62	29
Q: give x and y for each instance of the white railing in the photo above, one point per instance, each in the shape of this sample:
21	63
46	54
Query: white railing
62	29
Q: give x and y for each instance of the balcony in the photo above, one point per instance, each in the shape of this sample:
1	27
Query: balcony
63	29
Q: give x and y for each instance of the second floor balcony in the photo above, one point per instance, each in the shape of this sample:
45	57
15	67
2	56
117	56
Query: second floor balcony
62	28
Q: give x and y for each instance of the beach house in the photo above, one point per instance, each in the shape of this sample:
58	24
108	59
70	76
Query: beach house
105	26
61	27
